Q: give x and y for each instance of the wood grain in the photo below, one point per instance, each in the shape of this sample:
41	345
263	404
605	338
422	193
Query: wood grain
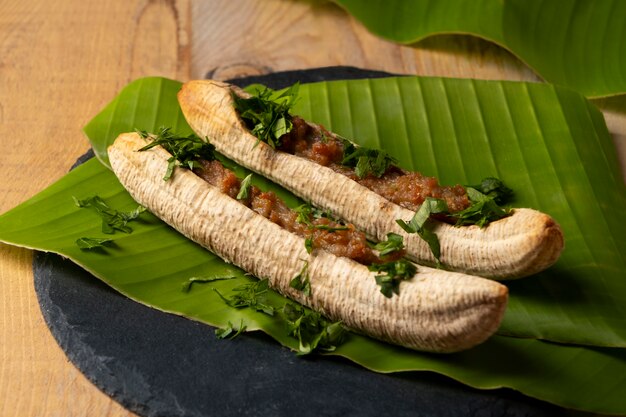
62	61
277	35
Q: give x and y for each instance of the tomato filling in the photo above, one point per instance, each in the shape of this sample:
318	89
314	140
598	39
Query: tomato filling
323	233
407	189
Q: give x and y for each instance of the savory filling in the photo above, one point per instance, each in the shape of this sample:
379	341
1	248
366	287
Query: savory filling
407	189
319	230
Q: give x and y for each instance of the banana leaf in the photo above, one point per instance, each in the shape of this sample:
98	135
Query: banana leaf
549	144
460	130
575	43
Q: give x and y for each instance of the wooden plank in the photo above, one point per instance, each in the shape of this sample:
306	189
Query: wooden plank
60	63
240	37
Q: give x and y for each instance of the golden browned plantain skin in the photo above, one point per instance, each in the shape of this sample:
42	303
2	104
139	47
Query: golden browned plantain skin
522	244
436	310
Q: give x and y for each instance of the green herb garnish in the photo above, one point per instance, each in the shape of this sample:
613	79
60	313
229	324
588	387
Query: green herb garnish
186	287
313	331
246	183
330	228
229	331
306	213
301	281
495	189
267	114
112	219
392	273
418	224
90	243
308	244
185	150
483	210
393	244
366	161
253	295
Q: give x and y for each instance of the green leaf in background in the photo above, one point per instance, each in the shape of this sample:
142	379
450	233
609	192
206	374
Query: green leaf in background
574	43
547	143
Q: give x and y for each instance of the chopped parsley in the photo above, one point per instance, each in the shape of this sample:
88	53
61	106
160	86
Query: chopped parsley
330	228
483	210
185	150
495	189
90	243
393	244
301	281
391	274
366	161
312	330
244	189
253	295
266	114
229	332
186	287
418	224
112	219
308	244
306	214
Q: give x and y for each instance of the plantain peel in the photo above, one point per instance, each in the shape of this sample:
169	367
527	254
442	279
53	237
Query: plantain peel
436	311
522	244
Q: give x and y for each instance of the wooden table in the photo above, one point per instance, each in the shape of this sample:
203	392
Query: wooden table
62	61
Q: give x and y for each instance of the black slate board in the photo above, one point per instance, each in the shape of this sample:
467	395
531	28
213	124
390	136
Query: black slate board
157	364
